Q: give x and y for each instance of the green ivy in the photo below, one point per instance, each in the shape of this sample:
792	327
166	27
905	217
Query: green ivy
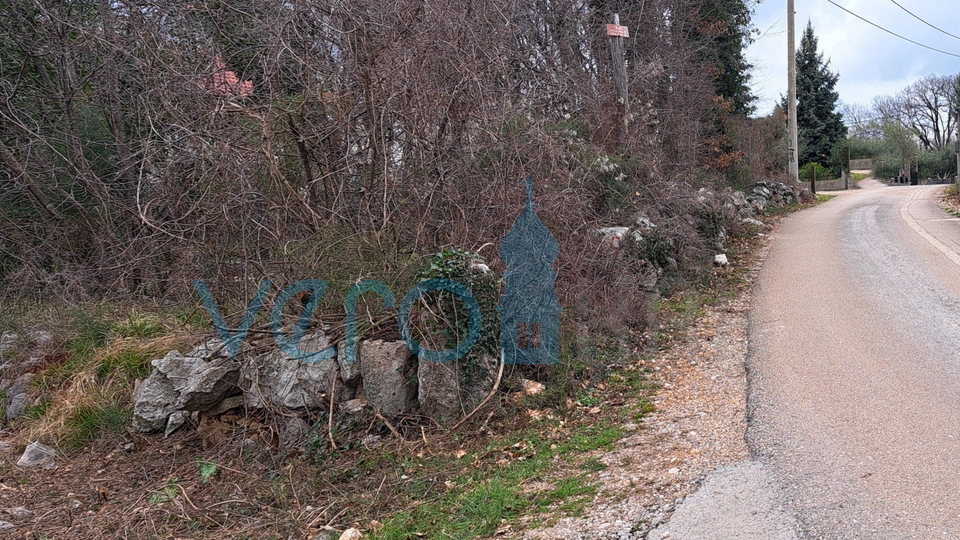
453	318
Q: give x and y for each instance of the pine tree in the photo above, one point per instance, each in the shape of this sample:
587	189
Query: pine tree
819	124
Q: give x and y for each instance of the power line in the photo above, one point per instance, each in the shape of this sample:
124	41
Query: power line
894	33
917	17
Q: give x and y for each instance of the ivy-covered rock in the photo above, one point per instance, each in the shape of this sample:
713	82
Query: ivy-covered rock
449	390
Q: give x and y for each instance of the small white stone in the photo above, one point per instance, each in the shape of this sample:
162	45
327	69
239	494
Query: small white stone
351	534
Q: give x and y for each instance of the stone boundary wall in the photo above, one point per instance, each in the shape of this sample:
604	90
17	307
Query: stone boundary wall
830	185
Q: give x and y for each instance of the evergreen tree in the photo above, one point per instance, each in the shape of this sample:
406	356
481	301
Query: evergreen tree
722	31
819	124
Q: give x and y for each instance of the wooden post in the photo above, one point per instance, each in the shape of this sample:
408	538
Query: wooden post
813	179
846	177
616	34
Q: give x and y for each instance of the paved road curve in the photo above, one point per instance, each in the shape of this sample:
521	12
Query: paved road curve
855	366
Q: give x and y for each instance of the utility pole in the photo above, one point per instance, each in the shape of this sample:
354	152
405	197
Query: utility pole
793	168
616	34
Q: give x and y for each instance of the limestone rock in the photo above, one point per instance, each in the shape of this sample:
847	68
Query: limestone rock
21	384
19	512
175	422
389	376
17	406
327	533
38	455
196	381
615	236
155	399
201	383
353	406
450	390
532	388
231	402
275	379
349	371
754	222
351	534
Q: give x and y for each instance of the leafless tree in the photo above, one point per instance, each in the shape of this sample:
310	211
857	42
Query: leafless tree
926	108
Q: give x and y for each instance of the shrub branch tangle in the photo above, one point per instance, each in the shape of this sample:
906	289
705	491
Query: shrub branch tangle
147	144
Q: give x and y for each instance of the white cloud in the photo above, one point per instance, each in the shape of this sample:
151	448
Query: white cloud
870	61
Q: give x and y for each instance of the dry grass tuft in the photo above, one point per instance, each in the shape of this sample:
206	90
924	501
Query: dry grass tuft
104	382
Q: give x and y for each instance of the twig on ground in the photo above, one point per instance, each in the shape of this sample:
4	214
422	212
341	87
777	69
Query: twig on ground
390	426
333	393
493	391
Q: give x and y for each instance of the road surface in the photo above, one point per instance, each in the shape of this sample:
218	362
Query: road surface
855	366
854	380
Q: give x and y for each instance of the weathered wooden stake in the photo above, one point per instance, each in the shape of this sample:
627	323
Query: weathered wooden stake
620	71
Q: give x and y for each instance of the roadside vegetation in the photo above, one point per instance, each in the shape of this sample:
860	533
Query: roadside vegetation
148	145
912	130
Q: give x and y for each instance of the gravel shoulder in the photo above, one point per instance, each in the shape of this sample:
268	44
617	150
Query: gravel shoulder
699	427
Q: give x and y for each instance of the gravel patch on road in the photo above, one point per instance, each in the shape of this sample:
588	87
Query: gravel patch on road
741	501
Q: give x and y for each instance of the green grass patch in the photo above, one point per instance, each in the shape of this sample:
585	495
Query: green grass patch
36	412
571	495
592	438
497	488
88	423
821	198
783	210
593	465
138	326
130	364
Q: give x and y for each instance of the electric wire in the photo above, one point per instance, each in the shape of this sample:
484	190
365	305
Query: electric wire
894	33
917	17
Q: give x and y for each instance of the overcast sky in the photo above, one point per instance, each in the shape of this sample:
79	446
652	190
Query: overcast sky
870	61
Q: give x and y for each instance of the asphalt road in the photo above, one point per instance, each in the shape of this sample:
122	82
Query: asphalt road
854	368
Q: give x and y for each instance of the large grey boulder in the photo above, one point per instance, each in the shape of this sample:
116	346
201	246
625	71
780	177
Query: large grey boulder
201	383
154	400
389	376
275	379
193	382
450	390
